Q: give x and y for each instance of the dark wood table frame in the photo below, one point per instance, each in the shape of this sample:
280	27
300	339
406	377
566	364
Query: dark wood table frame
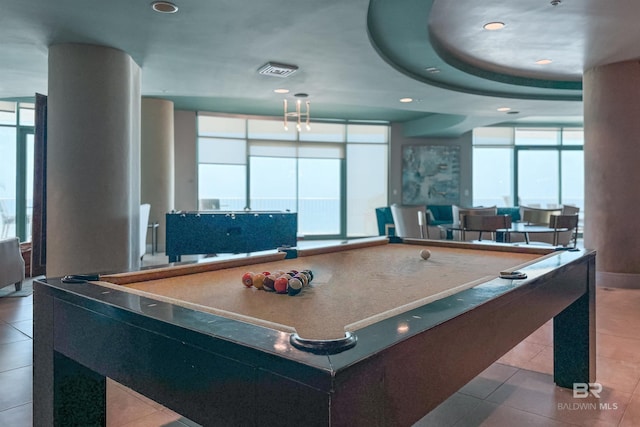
218	371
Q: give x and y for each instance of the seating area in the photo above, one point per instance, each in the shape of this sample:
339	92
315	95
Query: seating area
518	224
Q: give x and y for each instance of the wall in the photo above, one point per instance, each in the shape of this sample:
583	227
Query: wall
398	139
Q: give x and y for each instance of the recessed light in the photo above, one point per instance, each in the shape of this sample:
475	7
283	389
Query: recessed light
281	90
406	100
432	70
504	109
543	61
493	26
164	7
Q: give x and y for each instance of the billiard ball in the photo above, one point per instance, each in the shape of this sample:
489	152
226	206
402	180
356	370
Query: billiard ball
268	282
303	278
258	280
280	285
425	254
309	274
294	286
247	279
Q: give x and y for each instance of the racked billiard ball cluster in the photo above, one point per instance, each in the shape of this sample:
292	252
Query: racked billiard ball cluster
280	282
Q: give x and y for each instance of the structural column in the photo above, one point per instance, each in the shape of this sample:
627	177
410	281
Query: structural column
93	184
157	167
612	171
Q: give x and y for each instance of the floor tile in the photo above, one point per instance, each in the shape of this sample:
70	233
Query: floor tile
536	393
450	411
488	381
618	374
16	387
24	326
124	408
16	355
19	416
543	336
15	313
619	348
10	334
491	415
521	354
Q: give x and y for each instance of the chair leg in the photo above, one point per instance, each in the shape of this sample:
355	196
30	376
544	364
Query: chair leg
18	286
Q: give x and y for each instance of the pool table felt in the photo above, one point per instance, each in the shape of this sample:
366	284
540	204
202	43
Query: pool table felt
350	289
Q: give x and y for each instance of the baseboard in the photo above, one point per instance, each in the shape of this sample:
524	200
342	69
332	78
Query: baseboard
618	280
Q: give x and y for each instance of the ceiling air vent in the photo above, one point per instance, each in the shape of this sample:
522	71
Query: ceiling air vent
277	70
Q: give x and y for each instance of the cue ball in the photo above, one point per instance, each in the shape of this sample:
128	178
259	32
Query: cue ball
425	254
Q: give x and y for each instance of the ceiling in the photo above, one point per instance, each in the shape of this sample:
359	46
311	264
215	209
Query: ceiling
356	58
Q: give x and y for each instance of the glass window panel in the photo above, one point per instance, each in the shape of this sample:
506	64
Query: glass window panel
493	177
326	132
493	136
319	196
273	184
271	129
537	136
538	178
572	137
326	151
368	133
367	180
27	114
8	173
29	186
227	183
7	113
273	149
229	151
225	127
573	179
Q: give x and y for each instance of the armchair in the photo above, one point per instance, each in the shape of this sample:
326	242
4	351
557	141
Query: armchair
11	263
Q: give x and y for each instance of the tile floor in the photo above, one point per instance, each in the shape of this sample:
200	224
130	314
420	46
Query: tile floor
516	390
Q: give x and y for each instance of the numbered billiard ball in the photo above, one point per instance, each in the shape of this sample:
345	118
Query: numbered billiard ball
303	278
258	280
280	285
294	287
247	279
268	282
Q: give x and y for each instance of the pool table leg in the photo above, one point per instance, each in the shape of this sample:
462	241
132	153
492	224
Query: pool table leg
65	393
574	336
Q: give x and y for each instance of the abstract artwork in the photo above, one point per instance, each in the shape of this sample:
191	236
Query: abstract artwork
430	174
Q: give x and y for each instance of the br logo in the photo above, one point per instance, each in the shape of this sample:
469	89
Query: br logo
582	390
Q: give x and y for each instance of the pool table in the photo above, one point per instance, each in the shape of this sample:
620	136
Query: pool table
379	337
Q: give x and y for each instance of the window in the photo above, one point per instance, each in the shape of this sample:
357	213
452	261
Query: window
333	176
492	177
16	169
542	167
